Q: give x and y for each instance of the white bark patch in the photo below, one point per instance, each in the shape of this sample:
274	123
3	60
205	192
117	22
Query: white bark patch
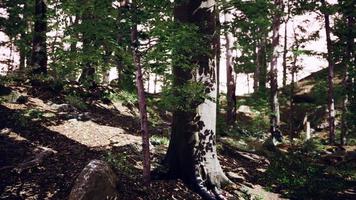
208	4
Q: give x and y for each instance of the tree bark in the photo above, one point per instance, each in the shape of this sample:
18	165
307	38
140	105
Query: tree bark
331	103
263	65
349	57
39	46
230	81
256	75
275	117
192	154
88	72
141	101
285	47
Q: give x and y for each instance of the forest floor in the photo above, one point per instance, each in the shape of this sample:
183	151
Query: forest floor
44	145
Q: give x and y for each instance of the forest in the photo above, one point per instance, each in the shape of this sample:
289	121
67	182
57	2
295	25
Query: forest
177	99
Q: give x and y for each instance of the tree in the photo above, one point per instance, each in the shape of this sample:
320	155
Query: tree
39	46
275	118
285	46
141	98
346	35
331	103
230	79
192	154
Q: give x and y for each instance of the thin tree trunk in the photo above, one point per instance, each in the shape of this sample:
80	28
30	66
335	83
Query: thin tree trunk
263	65
217	48
230	81
346	81
275	118
141	102
88	72
39	46
331	103
285	47
148	81
22	58
256	75
291	106
155	84
73	44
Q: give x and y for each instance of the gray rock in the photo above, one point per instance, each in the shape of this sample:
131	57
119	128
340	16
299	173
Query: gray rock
83	116
97	181
63	107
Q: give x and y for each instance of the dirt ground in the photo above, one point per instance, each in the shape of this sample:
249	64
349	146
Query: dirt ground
41	154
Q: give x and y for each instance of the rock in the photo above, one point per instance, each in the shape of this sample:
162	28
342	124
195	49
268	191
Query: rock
245	112
62	107
97	181
83	116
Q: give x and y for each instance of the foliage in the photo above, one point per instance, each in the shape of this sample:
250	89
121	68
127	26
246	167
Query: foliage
76	101
182	98
119	161
128	98
34	114
159	140
299	175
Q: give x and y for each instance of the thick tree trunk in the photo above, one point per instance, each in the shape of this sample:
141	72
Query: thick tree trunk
141	102
39	46
192	152
349	57
230	81
331	103
275	118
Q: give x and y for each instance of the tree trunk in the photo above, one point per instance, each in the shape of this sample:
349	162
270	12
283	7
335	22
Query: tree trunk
291	109
88	72
285	48
155	84
217	49
141	101
331	103
346	81
192	154
263	65
39	46
230	81
256	75
275	118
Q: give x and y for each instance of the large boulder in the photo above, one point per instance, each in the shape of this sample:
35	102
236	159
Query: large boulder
97	181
